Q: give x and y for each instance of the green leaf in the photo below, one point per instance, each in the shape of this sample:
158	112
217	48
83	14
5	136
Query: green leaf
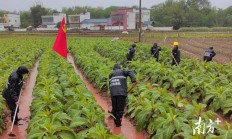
78	121
168	131
178	83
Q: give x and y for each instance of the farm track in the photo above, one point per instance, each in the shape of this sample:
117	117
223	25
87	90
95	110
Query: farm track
24	109
128	129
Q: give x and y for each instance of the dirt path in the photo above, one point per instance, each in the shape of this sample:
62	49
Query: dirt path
24	109
127	128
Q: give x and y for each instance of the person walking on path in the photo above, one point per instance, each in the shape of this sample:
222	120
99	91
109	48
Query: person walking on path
209	54
175	54
155	51
12	90
118	91
131	52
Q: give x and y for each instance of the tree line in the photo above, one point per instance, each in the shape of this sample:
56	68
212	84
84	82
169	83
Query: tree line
176	13
190	13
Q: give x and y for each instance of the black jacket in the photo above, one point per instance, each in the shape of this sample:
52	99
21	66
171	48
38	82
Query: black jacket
209	53
118	81
176	54
155	50
14	84
131	52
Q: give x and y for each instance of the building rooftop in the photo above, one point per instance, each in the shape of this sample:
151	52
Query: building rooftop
102	20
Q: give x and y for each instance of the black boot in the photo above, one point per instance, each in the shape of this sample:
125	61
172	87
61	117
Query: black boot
118	122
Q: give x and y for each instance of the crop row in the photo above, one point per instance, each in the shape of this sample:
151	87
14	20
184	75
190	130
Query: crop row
196	80
117	51
13	55
95	67
162	114
62	106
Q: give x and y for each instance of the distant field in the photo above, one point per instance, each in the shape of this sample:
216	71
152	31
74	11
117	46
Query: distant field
192	44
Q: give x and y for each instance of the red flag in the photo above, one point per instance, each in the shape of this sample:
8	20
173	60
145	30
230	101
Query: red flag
60	45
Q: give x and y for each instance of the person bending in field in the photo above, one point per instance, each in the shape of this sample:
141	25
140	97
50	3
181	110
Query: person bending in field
209	54
131	52
175	54
155	51
12	90
118	91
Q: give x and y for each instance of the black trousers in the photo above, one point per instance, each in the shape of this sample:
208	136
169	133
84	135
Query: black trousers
174	63
12	106
157	57
118	105
207	59
129	57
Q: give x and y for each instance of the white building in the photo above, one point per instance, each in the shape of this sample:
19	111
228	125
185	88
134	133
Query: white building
75	20
145	15
123	19
50	21
10	19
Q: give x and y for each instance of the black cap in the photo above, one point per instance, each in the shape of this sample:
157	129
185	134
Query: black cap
22	70
155	44
133	45
210	47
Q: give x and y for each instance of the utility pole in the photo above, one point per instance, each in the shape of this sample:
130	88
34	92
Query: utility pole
140	26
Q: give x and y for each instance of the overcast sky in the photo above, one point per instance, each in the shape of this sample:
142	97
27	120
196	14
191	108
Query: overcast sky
24	5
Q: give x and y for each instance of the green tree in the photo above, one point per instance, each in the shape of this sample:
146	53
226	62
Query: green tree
1	13
220	18
25	18
157	15
98	12
52	11
198	4
171	13
37	11
189	13
109	10
228	16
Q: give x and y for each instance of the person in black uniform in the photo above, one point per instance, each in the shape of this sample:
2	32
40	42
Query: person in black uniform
12	90
155	51
118	91
176	54
131	53
209	54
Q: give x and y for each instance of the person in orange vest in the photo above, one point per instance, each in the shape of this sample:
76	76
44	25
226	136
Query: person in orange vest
175	54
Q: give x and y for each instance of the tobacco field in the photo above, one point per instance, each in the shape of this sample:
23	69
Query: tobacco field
166	103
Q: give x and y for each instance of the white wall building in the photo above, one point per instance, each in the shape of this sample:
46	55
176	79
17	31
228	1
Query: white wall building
75	20
131	20
84	16
10	19
145	15
51	20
